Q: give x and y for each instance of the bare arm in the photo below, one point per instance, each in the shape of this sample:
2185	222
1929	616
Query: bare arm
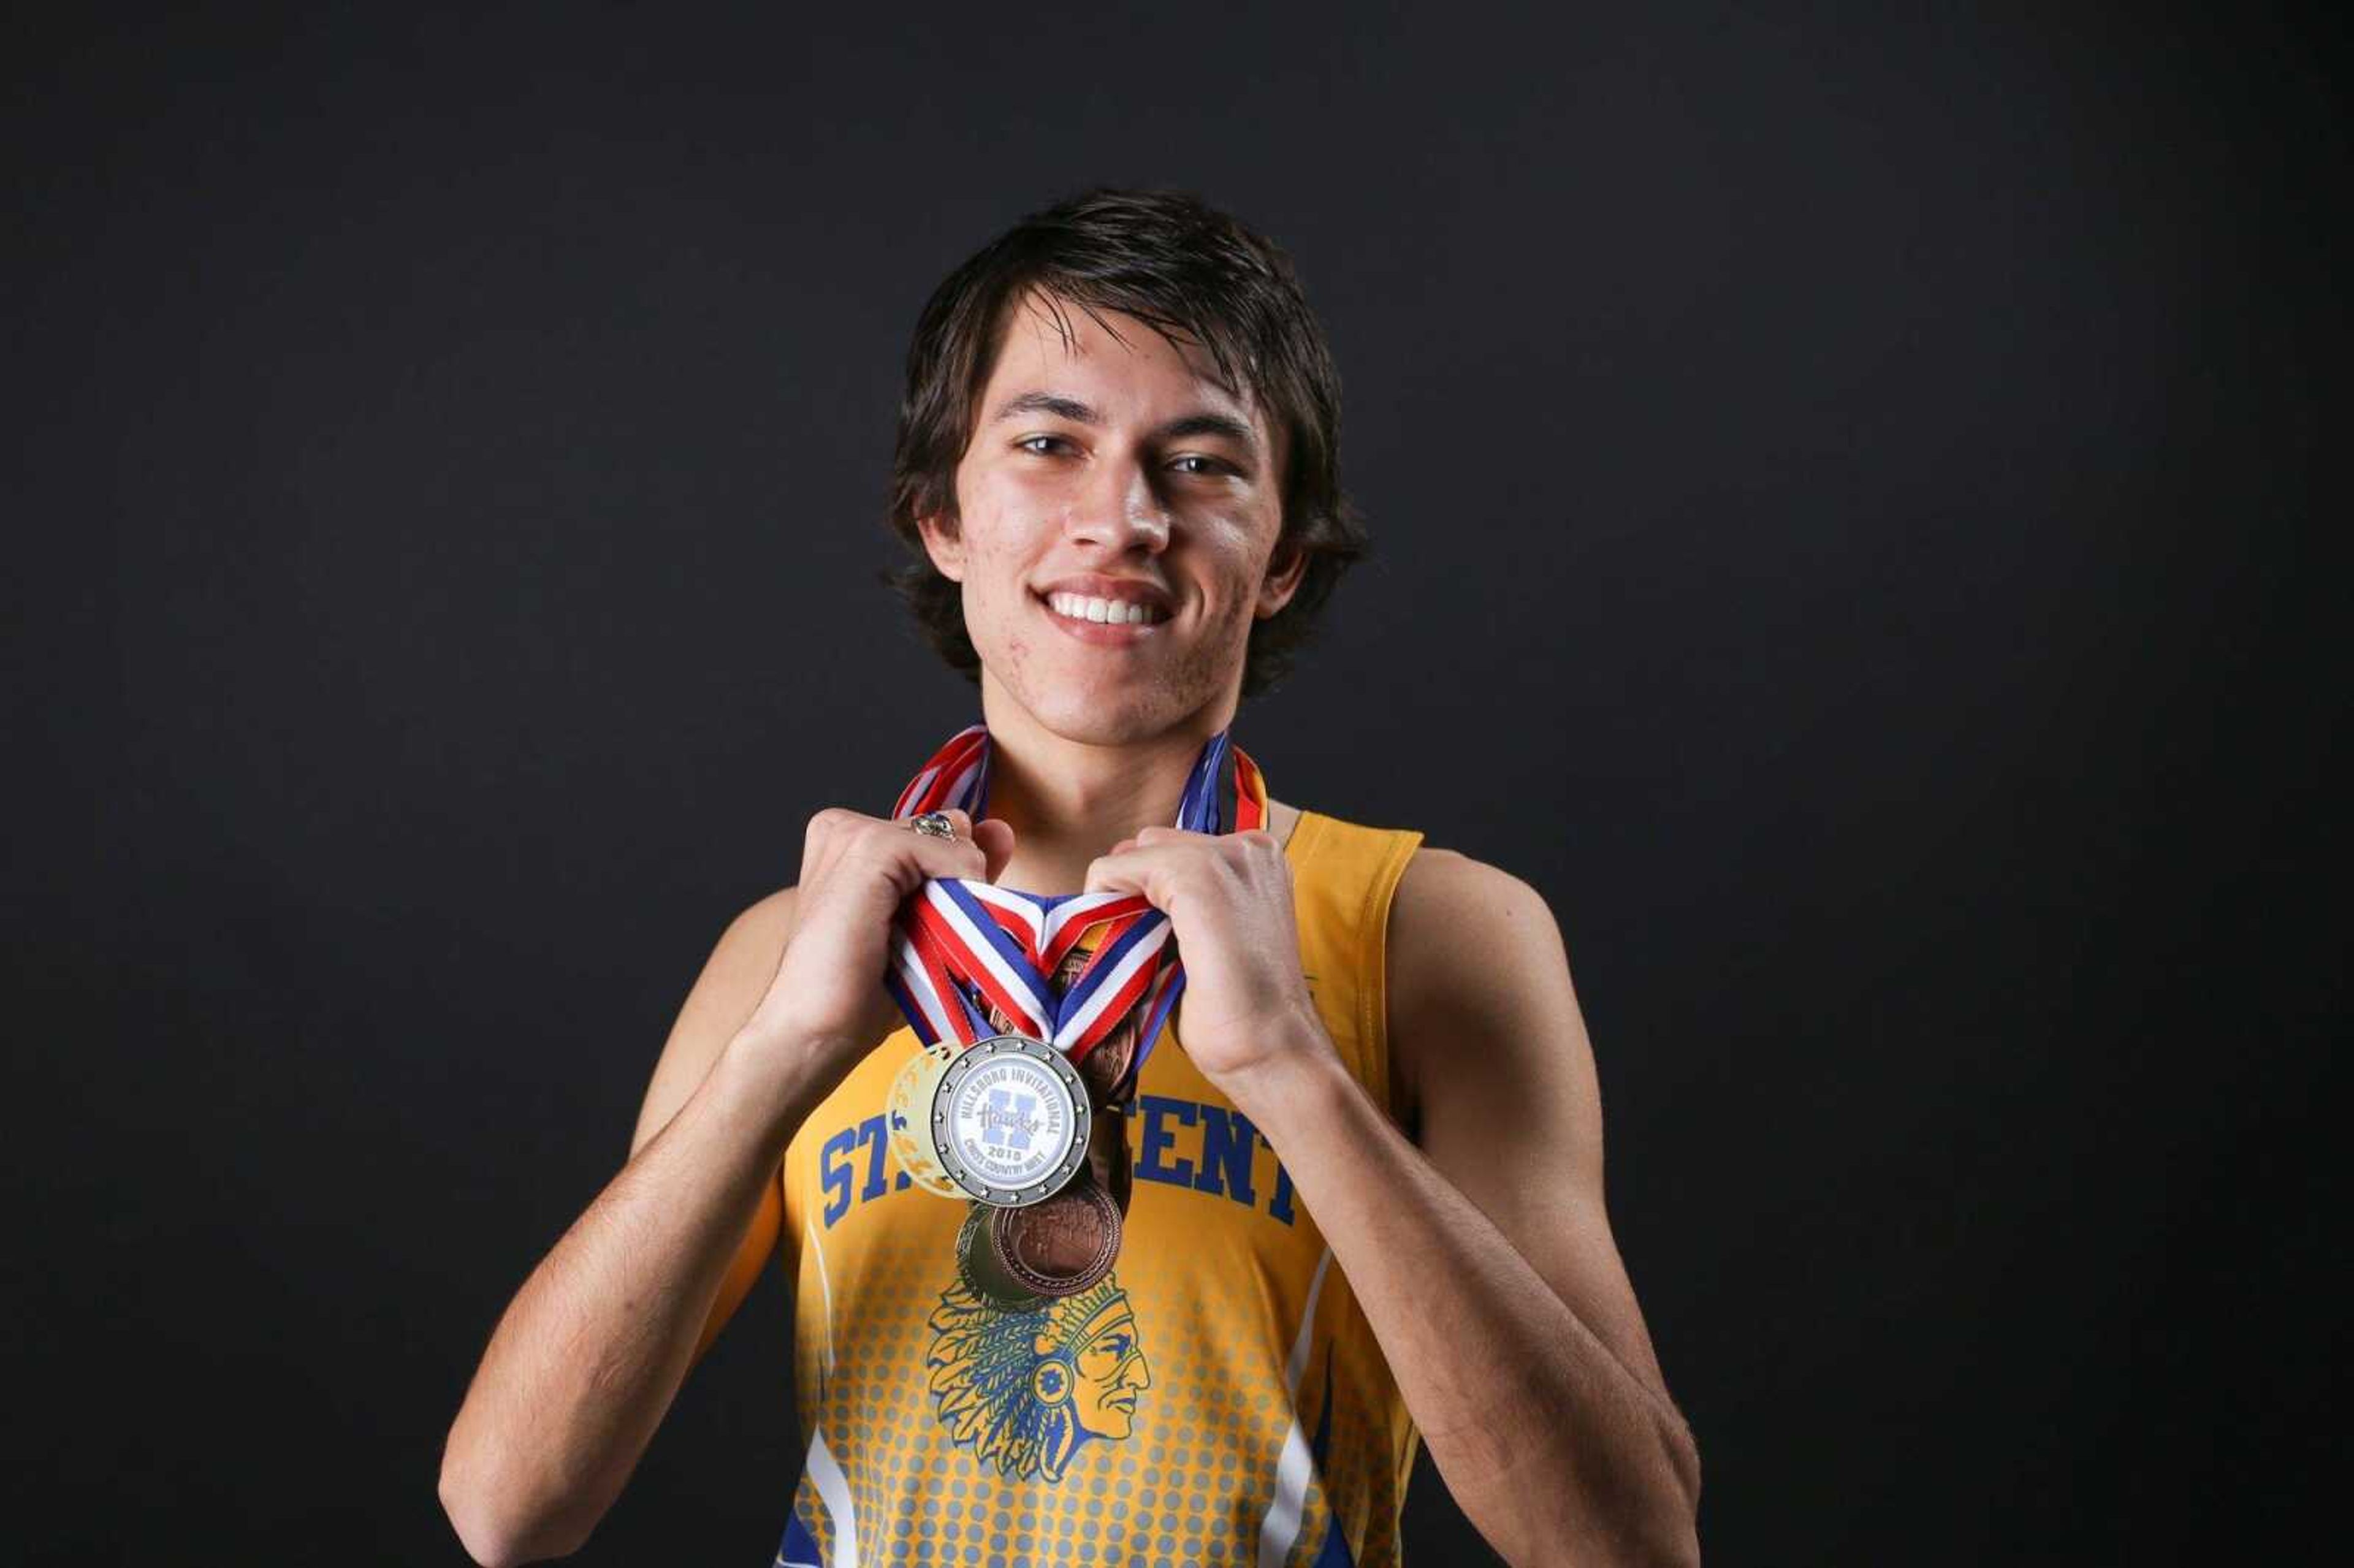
1484	1259
590	1354
587	1359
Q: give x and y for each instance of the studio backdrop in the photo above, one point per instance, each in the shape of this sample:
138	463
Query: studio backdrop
1839	487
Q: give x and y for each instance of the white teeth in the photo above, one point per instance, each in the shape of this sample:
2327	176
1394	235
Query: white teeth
1116	613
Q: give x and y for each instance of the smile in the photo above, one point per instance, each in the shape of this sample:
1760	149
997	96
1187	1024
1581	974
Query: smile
1104	611
1102	622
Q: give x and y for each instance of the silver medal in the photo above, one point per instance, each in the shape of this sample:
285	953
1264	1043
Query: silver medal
1009	1122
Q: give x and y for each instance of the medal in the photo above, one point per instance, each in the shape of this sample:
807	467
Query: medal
1036	1014
909	1105
1009	1122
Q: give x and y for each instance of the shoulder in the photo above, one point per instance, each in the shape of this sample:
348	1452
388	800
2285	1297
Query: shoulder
743	962
1470	945
745	957
766	920
1449	905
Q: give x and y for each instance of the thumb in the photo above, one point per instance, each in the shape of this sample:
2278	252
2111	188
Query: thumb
994	838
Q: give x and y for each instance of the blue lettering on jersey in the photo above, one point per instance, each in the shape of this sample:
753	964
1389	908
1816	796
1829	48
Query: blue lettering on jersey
1159	1111
834	1177
1227	1140
1211	1150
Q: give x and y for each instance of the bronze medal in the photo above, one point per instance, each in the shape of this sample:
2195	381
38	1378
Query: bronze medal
1102	1068
1107	1158
977	1263
1060	1247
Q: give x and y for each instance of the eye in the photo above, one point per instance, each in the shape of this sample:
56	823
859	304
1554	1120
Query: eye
1024	444
1213	466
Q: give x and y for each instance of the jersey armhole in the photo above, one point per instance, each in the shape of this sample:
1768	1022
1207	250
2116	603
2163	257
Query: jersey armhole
1373	1022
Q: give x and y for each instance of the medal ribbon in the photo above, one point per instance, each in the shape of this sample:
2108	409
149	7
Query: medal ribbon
965	946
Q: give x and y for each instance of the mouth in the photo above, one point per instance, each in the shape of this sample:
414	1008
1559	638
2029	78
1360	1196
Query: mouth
1103	623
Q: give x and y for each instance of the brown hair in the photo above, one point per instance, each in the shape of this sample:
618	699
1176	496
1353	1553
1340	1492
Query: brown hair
1188	270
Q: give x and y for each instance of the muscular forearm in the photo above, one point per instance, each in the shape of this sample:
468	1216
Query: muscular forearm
594	1345
1553	1448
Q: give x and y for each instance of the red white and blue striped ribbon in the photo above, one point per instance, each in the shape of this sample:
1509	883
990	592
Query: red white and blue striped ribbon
966	946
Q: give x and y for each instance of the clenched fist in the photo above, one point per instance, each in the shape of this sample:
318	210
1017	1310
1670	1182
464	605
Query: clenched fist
856	872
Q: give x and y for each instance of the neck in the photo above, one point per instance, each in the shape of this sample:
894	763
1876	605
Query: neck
1070	801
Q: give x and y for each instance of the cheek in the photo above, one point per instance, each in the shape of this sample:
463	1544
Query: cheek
997	554
992	577
1238	597
1242	560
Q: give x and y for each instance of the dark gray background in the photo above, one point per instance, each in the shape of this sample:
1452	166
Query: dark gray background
1845	490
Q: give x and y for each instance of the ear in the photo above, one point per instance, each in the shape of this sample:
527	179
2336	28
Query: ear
1282	579
944	542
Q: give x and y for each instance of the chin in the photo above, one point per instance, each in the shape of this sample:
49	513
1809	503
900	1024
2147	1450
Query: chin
1093	702
1118	717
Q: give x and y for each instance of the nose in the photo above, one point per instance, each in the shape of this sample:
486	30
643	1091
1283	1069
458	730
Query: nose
1140	1375
1118	508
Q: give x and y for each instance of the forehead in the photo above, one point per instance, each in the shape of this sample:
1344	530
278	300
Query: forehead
1110	360
1121	1323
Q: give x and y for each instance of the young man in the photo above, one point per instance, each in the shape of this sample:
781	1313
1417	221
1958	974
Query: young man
1365	1202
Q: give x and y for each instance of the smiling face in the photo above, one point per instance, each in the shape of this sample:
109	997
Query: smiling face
1117	472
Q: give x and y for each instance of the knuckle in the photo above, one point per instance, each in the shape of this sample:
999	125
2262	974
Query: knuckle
869	840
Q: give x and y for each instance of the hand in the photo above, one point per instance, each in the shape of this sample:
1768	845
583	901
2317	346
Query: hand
1228	899
856	872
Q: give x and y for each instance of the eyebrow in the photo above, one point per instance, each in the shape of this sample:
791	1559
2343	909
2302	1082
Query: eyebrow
1201	423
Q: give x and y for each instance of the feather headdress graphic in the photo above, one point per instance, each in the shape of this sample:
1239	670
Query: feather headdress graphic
1025	1389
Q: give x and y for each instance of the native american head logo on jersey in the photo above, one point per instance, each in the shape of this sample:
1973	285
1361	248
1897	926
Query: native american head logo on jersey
1026	1389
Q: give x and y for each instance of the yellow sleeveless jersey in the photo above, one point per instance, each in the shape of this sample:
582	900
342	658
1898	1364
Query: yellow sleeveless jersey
1219	1399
